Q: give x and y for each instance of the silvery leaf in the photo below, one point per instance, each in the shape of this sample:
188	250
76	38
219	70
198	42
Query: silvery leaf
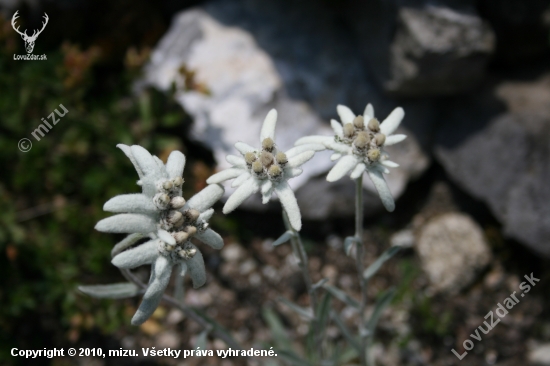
160	275
195	267
145	161
287	235
145	253
204	199
126	243
373	268
127	223
112	291
304	313
342	296
211	238
135	203
175	164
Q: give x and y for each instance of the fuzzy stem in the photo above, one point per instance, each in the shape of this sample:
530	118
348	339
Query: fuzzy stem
179	290
299	251
189	312
359	256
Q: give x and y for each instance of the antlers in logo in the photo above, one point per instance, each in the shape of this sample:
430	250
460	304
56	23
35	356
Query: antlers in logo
29	40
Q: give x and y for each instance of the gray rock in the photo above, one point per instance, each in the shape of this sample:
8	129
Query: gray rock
438	51
252	57
423	50
506	162
539	354
452	250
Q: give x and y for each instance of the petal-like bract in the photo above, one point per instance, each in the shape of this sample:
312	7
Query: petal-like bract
175	164
244	147
368	114
211	238
390	124
394	139
268	128
337	127
358	171
301	148
205	198
145	253
341	168
160	276
346	115
195	266
145	160
300	159
127	223
128	152
315	139
245	190
382	188
224	175
290	205
136	203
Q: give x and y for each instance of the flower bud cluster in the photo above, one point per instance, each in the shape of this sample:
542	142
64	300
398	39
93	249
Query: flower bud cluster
364	138
268	163
181	225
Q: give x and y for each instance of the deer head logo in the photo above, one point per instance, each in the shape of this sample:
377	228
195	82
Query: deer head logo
29	40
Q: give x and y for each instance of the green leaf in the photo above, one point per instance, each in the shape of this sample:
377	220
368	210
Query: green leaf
345	331
348	244
305	313
201	339
278	333
319	284
373	268
113	291
342	296
383	301
284	238
323	311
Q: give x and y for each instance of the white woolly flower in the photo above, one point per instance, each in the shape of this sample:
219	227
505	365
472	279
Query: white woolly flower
359	143
161	214
266	169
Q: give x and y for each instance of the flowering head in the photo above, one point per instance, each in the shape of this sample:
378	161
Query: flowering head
171	222
266	169
359	143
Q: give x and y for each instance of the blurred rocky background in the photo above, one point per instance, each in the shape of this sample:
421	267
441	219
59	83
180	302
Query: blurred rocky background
473	188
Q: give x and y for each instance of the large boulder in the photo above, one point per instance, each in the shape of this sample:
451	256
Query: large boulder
417	49
504	160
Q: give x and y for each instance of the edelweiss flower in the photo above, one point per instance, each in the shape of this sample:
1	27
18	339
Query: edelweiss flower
163	215
267	170
359	142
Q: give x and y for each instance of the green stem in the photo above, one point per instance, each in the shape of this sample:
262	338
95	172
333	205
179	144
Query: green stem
360	253
299	251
